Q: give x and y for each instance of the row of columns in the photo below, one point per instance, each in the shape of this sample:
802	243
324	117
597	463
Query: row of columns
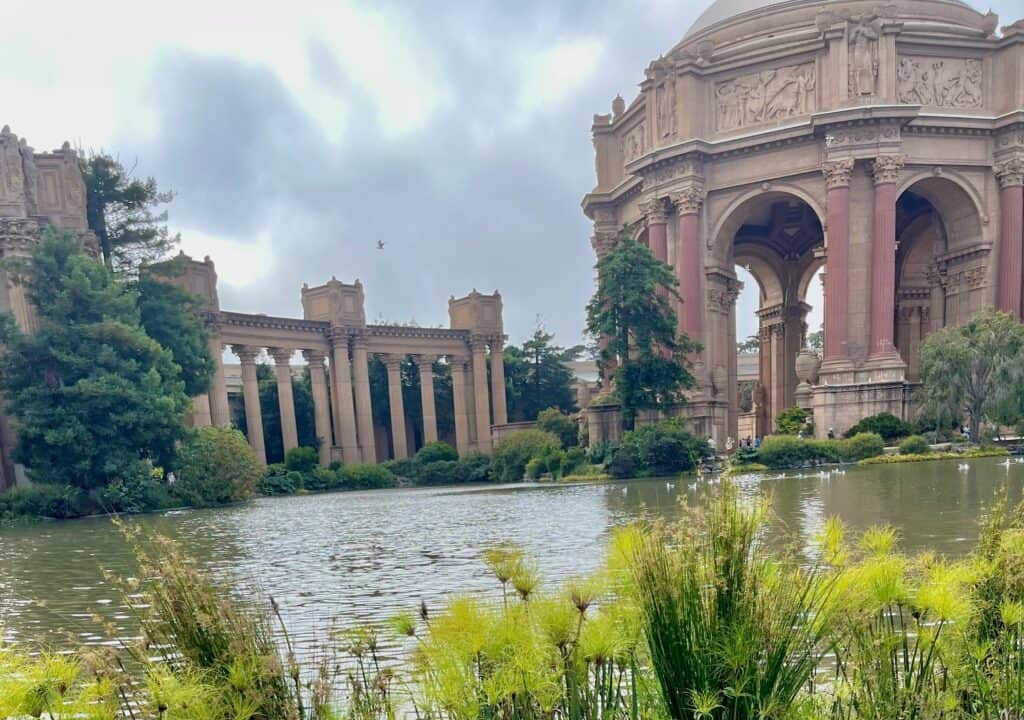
342	391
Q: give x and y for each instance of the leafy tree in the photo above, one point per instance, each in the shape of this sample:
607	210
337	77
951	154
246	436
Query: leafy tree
791	421
560	425
537	376
632	308
750	346
94	395
884	424
816	339
123	212
974	370
171	317
216	467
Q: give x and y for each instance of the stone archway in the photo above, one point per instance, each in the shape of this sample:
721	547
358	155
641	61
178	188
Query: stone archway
778	238
941	260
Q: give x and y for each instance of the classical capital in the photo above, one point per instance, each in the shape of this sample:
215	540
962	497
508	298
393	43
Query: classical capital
497	343
602	241
246	354
314	358
478	344
282	356
887	168
425	362
688	200
837	172
655	211
457	362
393	361
1010	172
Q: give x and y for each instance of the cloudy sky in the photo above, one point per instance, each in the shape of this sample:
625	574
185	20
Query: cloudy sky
298	135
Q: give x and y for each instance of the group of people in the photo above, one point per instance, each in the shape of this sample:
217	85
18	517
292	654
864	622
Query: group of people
730	444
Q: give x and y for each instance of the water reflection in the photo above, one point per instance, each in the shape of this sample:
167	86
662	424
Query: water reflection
364	556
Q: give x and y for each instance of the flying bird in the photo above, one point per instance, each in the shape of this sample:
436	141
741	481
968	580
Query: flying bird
380	244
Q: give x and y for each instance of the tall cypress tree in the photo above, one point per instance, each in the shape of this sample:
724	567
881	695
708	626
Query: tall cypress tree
92	393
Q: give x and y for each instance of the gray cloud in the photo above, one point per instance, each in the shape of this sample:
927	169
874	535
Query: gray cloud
457	212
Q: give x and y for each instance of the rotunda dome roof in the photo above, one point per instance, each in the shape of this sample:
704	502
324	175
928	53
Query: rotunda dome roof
721	10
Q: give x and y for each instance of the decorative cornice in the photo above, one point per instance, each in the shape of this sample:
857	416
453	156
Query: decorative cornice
393	361
837	172
689	200
269	322
419	333
246	353
887	168
1010	172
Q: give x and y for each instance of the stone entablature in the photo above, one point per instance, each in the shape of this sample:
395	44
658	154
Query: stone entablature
898	126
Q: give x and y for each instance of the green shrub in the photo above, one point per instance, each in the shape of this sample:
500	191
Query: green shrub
914	445
301	459
513	452
366	477
885	424
136	491
474	468
403	468
791	421
534	468
438	472
216	466
44	500
436	451
574	459
786	451
745	455
624	462
320	479
861	446
560	425
279	483
601	452
664	448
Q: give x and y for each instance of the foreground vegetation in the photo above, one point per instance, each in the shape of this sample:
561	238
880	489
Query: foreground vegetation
691	620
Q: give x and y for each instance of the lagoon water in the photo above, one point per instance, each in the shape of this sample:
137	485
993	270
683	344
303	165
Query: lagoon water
352	558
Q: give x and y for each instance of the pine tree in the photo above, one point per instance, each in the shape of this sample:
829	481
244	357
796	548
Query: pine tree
93	395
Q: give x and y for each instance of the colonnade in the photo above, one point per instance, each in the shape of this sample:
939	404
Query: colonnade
343	411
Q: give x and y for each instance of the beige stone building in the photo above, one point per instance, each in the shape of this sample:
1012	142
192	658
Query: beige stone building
881	141
337	344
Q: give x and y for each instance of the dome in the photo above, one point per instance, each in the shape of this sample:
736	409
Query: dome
722	10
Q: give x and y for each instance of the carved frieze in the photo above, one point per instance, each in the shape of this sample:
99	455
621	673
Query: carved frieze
665	94
676	169
634	144
940	82
12	178
766	96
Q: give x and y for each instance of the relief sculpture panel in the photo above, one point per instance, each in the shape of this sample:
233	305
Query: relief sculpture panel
633	145
766	96
941	82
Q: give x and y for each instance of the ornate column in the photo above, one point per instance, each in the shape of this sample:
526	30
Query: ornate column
1010	174
498	398
251	395
220	413
458	367
321	403
398	441
689	263
343	397
837	181
778	362
482	403
657	227
364	408
425	363
602	241
285	400
886	170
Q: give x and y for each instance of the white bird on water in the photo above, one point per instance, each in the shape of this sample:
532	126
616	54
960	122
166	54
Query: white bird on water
670	486
1006	463
963	467
625	490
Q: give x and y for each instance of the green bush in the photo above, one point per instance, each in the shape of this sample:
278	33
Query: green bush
474	468
745	455
301	459
861	446
534	468
574	459
319	480
44	500
887	425
601	452
560	425
404	468
366	477
624	462
914	445
279	483
136	491
664	448
513	452
791	421
216	466
436	451
787	451
438	472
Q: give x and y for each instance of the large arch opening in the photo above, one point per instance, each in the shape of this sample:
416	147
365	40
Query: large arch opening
940	263
774	243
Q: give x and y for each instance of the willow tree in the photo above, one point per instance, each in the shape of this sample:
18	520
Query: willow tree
974	370
632	310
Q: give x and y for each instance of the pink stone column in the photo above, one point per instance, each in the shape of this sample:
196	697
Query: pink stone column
886	169
837	180
688	261
657	228
1011	235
